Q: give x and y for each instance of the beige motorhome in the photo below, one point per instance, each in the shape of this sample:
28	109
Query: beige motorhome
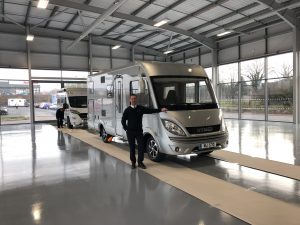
194	122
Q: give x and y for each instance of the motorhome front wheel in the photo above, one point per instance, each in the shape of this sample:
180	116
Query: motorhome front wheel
153	150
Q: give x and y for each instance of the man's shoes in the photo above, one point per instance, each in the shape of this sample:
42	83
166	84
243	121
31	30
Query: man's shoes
142	165
133	166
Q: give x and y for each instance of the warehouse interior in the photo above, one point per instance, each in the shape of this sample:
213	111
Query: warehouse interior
250	51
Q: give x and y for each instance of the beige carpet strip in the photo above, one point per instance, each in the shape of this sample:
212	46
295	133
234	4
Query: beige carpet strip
249	206
270	166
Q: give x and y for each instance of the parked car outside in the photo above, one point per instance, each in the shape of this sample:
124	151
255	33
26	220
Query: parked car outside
45	105
3	110
53	107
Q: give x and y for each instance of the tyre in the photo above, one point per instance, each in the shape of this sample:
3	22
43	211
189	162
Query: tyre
69	125
104	136
153	150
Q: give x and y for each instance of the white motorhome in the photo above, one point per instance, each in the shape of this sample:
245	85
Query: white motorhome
15	102
194	122
76	99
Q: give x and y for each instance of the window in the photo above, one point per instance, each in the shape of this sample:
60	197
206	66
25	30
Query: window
142	98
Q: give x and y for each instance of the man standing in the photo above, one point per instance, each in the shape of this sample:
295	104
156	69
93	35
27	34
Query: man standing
60	116
133	114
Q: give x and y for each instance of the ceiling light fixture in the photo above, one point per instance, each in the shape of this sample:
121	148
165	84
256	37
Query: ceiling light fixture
42	4
169	51
224	33
162	22
29	37
116	47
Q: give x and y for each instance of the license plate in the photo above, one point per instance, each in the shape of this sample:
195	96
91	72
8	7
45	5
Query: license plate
208	145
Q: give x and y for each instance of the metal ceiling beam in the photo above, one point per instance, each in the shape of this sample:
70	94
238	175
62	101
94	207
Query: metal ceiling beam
199	38
287	15
13	21
151	18
75	16
51	33
27	13
99	20
134	13
54	10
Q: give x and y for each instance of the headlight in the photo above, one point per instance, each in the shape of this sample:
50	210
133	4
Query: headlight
223	125
173	128
74	111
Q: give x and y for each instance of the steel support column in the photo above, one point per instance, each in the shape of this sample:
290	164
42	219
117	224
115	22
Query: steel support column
60	62
31	91
215	75
296	74
90	60
111	57
239	80
266	77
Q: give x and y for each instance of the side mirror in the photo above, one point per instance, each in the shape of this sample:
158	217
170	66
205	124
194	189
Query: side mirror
142	86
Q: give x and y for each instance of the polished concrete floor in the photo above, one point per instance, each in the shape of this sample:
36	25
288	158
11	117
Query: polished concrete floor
49	177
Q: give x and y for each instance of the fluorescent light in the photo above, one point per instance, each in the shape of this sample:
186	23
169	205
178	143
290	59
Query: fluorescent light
160	23
224	33
116	47
42	4
30	37
169	51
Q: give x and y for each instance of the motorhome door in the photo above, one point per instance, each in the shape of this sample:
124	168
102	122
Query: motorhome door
119	106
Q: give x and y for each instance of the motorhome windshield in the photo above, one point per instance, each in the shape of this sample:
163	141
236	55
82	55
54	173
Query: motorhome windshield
78	101
184	93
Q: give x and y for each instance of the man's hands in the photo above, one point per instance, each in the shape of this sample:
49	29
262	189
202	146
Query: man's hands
164	110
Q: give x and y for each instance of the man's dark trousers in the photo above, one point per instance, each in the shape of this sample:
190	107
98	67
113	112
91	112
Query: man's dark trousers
131	136
60	122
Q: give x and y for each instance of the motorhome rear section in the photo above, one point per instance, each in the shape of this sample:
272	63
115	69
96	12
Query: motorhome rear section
76	99
194	122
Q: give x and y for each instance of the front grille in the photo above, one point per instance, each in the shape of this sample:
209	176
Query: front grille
83	115
201	130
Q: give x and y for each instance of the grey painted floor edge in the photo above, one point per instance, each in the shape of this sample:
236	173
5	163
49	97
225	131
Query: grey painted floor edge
48	177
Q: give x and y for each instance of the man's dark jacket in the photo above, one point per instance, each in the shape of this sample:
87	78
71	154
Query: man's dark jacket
134	116
60	114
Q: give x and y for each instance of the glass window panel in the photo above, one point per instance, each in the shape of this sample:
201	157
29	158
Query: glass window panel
253	101
229	99
45	101
75	74
280	101
46	73
280	65
208	72
14	102
253	70
228	73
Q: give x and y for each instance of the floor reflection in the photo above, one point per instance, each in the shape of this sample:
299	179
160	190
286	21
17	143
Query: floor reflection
268	140
48	177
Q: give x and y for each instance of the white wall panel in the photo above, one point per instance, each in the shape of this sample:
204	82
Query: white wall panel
80	48
206	60
12	42
280	43
121	52
45	45
228	55
100	51
44	61
191	53
100	64
75	62
253	49
149	58
120	62
193	60
13	59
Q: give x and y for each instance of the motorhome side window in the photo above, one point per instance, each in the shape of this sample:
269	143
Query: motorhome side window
143	98
182	93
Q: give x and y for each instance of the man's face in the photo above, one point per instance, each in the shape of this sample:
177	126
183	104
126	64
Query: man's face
133	100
